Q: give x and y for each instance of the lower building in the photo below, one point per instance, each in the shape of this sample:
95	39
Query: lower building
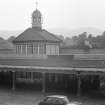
55	73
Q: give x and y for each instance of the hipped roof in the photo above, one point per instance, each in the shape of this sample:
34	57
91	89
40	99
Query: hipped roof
36	34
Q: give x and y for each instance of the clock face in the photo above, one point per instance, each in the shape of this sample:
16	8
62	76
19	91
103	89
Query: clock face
37	20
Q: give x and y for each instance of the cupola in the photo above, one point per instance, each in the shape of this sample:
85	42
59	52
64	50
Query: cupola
37	19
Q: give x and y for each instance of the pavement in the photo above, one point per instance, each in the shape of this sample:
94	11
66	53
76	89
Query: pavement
21	97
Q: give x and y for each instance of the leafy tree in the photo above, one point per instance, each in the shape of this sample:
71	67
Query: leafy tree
11	38
90	36
81	39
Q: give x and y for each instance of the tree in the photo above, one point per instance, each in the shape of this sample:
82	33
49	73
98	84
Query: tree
11	38
90	36
87	45
81	39
61	37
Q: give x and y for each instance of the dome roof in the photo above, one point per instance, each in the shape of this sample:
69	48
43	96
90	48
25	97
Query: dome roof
36	13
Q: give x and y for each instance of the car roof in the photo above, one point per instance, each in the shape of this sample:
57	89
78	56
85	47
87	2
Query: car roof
57	96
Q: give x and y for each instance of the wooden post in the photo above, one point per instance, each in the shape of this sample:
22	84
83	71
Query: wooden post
21	49
38	49
79	85
96	82
43	82
13	80
26	49
32	76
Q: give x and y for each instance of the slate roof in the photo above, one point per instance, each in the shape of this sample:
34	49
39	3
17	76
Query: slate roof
65	61
36	34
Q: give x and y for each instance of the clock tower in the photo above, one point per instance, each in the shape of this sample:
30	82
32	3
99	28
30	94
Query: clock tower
37	18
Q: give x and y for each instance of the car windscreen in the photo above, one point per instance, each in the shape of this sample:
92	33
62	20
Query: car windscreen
56	100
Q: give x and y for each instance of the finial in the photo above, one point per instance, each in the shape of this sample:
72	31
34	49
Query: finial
36	4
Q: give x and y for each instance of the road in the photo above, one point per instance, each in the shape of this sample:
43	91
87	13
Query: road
8	97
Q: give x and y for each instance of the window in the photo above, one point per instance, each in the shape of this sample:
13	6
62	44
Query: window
51	77
23	75
35	48
52	49
29	49
23	49
34	19
20	74
41	48
28	75
18	49
37	75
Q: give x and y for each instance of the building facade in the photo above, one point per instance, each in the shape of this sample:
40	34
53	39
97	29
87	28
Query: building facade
54	72
35	40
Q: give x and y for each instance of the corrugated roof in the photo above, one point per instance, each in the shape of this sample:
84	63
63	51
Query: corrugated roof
36	34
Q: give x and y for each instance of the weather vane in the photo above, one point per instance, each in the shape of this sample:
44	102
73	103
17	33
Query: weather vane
36	4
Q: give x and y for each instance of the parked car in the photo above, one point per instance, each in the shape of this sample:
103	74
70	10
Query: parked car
57	100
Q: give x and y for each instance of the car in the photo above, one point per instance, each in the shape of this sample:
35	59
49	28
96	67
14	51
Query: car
57	100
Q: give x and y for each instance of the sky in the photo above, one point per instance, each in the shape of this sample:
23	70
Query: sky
71	14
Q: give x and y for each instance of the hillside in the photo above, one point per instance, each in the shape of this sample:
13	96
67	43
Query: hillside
58	31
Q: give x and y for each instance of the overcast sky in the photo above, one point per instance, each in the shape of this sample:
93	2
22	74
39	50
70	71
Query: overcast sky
16	14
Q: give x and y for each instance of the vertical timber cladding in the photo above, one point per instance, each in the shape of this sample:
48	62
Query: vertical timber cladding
13	80
89	82
5	79
61	82
45	81
30	80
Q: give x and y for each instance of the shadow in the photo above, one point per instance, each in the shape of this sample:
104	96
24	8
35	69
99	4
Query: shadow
97	94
